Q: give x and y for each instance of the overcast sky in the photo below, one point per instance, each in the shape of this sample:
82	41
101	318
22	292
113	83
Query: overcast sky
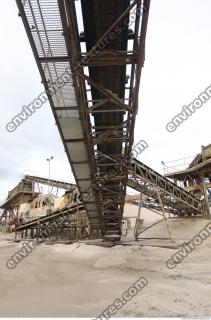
177	70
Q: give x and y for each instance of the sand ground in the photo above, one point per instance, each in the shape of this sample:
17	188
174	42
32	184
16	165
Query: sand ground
81	280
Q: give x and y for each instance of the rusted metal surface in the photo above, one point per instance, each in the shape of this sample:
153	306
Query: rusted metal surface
196	179
105	99
24	191
53	183
112	133
51	217
71	223
49	35
175	200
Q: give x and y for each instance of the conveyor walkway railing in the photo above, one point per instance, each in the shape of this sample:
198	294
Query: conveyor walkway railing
94	97
175	199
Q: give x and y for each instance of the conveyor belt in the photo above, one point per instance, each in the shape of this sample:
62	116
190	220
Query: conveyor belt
94	110
53	183
175	199
46	29
143	179
51	217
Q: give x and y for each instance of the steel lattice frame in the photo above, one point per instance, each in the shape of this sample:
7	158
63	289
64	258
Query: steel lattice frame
111	194
53	183
51	217
175	199
52	29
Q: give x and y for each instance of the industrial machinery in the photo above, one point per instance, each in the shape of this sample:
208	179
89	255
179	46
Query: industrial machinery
196	178
95	63
90	65
27	196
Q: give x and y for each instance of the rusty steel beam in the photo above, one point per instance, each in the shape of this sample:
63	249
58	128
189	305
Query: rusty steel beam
107	93
107	123
109	30
137	71
51	182
144	179
109	59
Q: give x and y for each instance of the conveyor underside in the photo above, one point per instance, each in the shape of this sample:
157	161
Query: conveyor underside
94	97
45	30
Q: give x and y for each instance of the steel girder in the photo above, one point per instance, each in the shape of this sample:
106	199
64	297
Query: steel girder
51	182
51	217
52	29
175	199
112	139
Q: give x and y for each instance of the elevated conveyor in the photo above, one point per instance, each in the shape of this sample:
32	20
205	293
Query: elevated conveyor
51	217
92	80
175	199
51	182
46	29
147	181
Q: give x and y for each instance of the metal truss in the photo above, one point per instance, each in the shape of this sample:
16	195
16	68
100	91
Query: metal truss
70	223
113	139
51	217
52	29
174	199
53	183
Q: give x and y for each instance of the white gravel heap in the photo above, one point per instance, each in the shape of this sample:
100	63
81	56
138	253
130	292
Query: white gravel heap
113	259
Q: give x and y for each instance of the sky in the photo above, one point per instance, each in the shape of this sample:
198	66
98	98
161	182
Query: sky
177	69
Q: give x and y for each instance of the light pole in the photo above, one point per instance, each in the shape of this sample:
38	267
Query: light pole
49	172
